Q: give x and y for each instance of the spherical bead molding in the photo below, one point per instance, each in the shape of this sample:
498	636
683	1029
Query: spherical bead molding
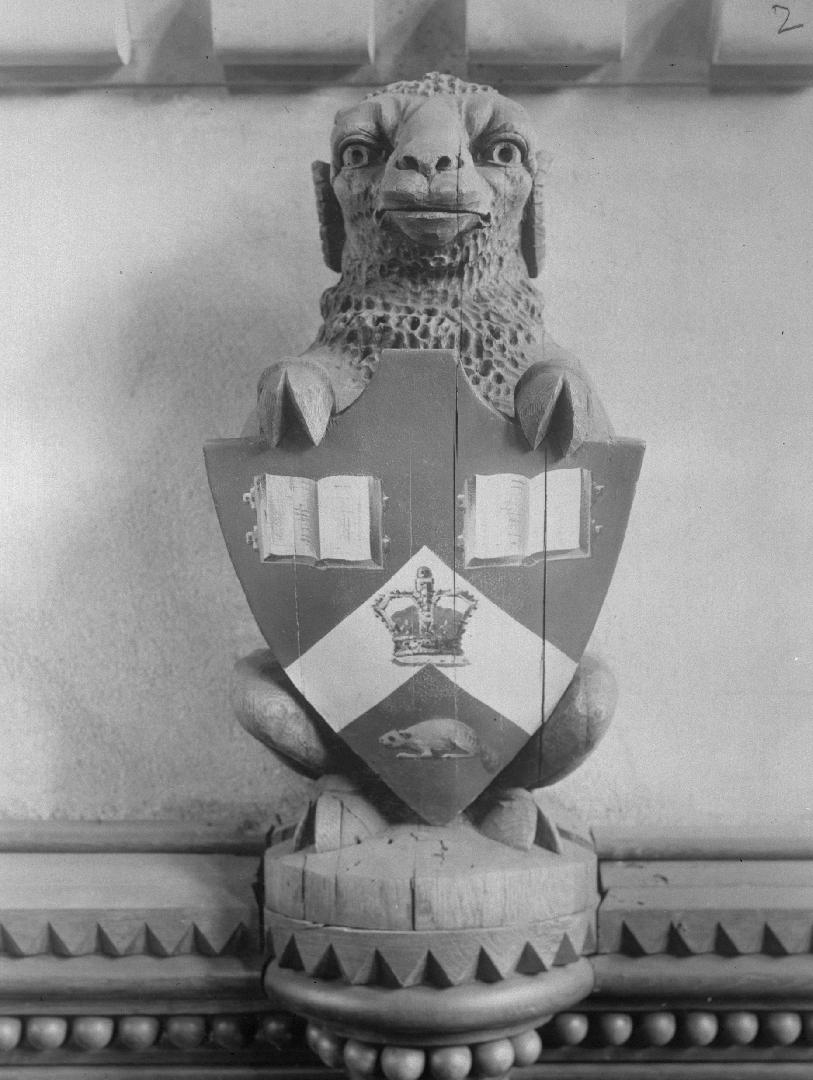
619	1031
611	1030
486	1060
46	1032
138	1032
679	1030
132	1035
92	1032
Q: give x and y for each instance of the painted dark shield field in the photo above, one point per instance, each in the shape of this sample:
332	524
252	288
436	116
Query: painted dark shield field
444	646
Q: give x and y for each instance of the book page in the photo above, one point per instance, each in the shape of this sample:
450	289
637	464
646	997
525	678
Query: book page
344	518
500	508
287	517
564	512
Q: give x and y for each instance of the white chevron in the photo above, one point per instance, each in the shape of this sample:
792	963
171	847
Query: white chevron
351	669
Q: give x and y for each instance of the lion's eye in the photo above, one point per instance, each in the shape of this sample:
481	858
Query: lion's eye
355	155
503	152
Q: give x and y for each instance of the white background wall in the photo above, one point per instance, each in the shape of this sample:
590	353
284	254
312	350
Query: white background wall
156	253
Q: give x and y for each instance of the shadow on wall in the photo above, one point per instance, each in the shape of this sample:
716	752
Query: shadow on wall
122	613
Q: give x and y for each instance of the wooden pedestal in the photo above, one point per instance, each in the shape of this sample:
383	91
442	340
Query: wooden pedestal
428	948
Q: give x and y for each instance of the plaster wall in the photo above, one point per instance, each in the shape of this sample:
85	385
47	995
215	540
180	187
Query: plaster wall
156	253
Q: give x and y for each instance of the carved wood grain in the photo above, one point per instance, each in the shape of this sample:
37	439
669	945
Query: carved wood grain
414	878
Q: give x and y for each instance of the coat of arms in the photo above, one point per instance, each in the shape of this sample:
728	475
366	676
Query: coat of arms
430	599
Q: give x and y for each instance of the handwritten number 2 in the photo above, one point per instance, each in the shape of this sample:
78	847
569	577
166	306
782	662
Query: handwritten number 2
784	28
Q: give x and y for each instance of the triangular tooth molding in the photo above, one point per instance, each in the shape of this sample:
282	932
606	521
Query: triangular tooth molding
530	962
487	969
566	953
679	941
696	929
172	940
357	965
546	951
651	935
118	937
25	938
741	938
436	974
329	966
445	970
312	951
772	943
724	945
279	936
791	934
504	954
68	938
590	944
121	939
402	960
289	955
218	937
398	972
629	944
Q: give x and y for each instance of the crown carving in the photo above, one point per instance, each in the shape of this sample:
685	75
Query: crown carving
427	624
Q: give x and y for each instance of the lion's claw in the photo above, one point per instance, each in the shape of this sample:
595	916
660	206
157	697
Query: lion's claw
553	405
294	393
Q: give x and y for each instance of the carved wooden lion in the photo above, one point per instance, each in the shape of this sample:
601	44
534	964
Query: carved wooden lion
430	210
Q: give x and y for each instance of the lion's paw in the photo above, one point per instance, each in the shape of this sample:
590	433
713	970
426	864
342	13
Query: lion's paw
554	406
294	393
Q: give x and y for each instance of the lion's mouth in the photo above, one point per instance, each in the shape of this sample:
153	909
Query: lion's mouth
432	225
432	213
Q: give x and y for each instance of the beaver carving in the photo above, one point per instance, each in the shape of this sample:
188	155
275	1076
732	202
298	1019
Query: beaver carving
430	209
439	738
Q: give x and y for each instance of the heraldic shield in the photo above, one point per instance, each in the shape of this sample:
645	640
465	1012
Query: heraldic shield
426	580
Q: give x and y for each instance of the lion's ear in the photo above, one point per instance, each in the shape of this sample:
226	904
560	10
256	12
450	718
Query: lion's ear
532	229
331	222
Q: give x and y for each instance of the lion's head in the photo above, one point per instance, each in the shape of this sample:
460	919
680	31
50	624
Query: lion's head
437	170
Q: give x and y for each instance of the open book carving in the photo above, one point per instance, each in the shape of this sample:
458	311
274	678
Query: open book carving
334	521
512	519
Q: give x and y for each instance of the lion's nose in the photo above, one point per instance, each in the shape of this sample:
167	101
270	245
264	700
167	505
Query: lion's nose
427	164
